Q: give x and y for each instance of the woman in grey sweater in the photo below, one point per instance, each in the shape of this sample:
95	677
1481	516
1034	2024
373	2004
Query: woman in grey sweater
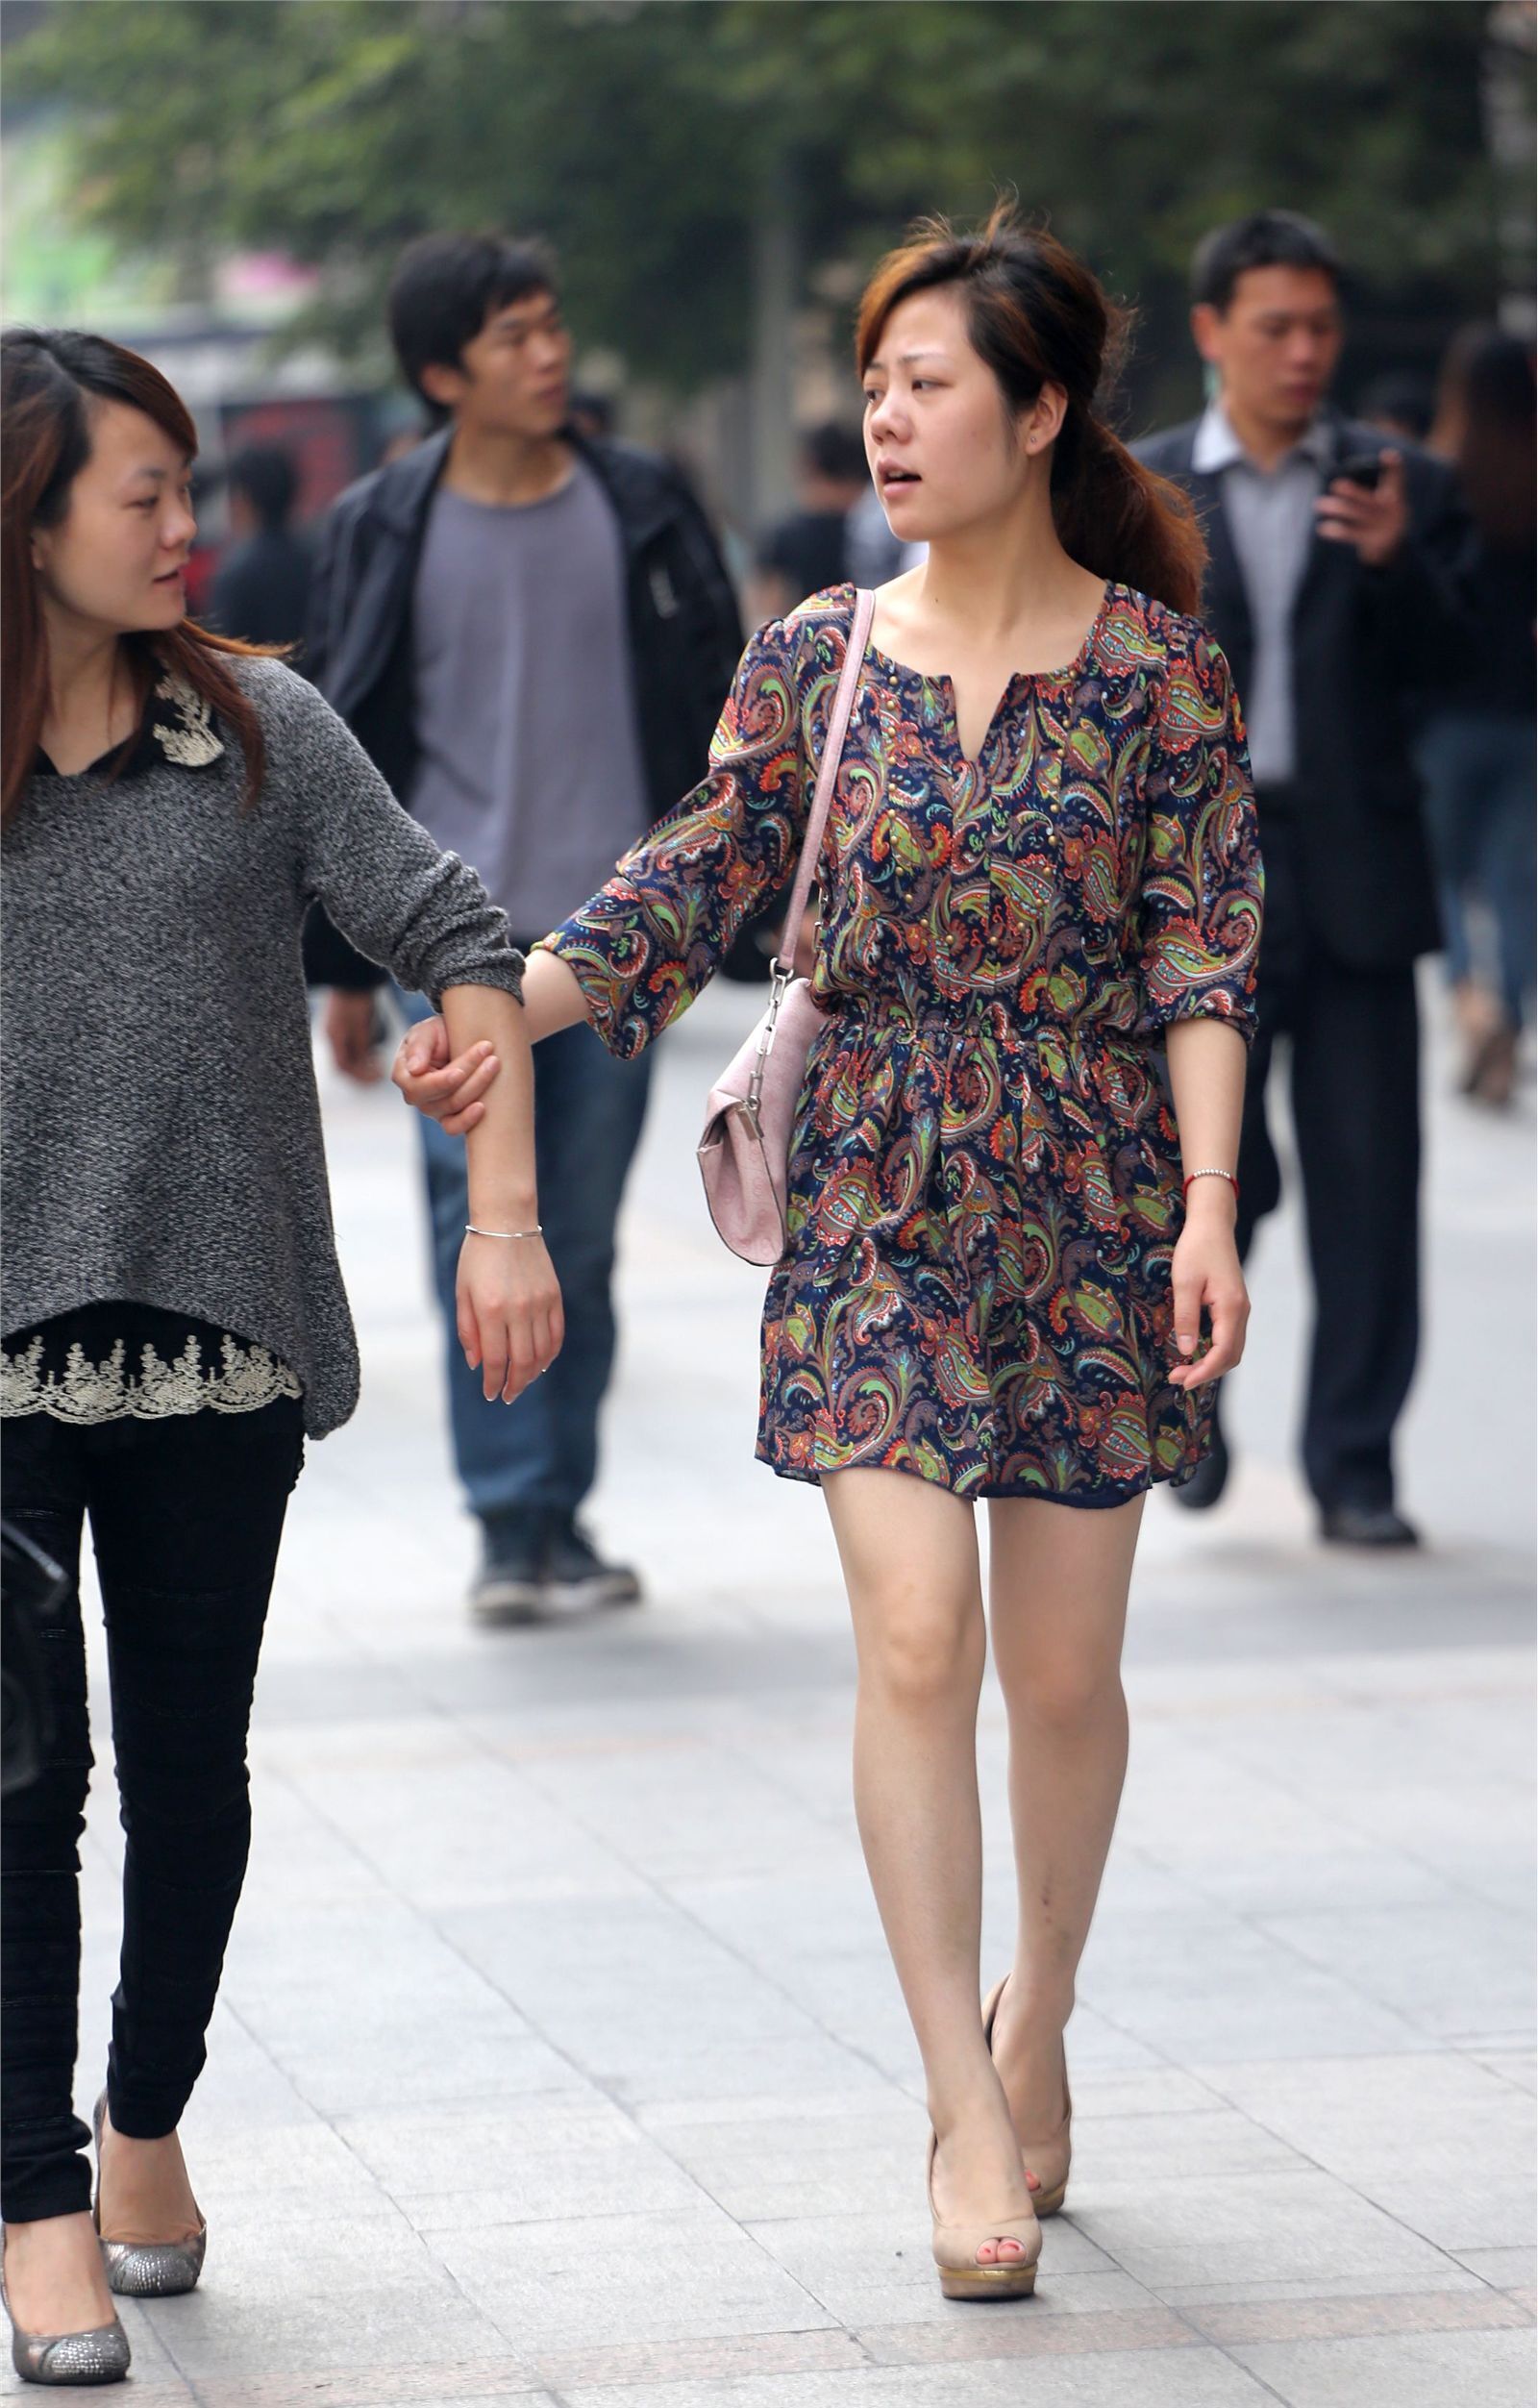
174	1321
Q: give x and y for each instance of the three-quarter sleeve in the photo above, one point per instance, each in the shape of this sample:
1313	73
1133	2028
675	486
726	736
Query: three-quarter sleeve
419	913
1200	908
647	943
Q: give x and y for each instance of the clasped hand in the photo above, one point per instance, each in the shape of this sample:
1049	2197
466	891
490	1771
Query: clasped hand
446	1089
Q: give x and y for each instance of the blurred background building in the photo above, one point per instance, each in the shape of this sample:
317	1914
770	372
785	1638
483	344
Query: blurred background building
225	186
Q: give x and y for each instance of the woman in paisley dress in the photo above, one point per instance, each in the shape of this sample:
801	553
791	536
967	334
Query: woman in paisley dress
1040	917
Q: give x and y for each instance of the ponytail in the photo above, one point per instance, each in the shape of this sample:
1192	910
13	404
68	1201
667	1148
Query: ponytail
1122	520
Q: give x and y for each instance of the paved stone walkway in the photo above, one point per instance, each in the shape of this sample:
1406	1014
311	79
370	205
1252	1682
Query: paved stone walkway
558	2056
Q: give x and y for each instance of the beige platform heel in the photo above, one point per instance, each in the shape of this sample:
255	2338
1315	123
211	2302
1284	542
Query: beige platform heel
957	2246
1042	2163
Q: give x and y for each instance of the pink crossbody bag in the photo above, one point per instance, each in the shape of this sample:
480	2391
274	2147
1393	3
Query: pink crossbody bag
745	1150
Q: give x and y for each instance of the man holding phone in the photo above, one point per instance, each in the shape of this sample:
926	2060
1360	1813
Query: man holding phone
1334	587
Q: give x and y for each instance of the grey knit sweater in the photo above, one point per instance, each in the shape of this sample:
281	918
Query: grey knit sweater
162	1137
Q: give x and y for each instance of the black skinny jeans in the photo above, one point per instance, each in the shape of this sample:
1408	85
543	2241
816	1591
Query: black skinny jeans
186	1516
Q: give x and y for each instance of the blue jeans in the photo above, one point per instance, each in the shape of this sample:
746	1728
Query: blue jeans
1479	772
540	1454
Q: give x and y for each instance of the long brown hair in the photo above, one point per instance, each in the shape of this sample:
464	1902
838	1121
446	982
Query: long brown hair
50	384
1037	316
1484	424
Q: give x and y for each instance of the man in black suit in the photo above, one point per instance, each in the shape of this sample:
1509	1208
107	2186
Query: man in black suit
1334	587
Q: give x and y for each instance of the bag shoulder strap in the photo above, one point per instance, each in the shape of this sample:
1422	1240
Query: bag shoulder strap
859	632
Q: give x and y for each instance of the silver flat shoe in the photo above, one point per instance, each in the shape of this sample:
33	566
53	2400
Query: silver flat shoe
145	2269
99	2356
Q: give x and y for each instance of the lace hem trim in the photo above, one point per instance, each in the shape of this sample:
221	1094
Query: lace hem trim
248	1379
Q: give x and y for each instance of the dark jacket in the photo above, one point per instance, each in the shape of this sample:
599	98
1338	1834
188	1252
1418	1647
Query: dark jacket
261	590
686	634
1369	644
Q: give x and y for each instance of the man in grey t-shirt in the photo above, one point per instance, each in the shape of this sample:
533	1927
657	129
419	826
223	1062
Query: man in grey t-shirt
533	637
531	764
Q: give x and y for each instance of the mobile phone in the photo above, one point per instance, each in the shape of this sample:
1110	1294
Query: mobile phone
1364	468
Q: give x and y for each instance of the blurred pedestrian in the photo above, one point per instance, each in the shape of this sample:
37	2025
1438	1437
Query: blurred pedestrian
1398	404
174	1319
804	553
531	635
402	444
262	587
875	553
808	550
592	415
1476	747
1041	898
1333	587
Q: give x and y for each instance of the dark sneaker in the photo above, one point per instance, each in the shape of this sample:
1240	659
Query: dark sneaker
510	1585
577	1577
1365	1526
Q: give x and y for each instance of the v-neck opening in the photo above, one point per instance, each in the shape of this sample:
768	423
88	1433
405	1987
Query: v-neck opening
942	680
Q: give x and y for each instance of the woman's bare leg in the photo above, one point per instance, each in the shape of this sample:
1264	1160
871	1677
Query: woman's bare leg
1058	1582
909	1555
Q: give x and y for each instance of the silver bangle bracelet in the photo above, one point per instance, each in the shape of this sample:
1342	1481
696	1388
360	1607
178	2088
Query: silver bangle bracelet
471	1230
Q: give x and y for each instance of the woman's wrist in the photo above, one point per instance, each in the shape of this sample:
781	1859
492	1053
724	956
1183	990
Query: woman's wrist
1211	1202
504	1207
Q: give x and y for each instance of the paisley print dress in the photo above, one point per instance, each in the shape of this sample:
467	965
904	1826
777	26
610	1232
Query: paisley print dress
985	1182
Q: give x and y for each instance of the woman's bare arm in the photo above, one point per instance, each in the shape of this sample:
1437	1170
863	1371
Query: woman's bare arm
448	1078
1207	1061
509	1314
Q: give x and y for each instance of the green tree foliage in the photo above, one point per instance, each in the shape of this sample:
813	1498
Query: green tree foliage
646	137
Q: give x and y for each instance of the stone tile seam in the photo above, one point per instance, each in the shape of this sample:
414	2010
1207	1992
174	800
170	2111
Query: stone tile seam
1507	2081
472	2306
1359	1831
652	2139
1461	1888
1255	1919
646	2139
1071	2335
667	1898
1448	2257
549	2382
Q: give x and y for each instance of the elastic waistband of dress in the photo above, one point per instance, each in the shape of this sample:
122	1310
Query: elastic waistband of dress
965	1012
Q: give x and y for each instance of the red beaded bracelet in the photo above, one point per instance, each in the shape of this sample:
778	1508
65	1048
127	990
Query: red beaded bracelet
1186	1185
